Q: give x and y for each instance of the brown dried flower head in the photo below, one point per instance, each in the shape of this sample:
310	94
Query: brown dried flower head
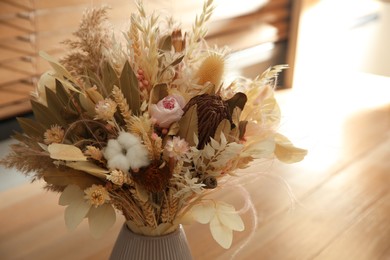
153	178
211	111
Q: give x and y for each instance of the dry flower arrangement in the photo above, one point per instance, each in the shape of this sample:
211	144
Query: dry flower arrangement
147	128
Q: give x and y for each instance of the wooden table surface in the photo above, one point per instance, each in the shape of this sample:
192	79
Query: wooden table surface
342	191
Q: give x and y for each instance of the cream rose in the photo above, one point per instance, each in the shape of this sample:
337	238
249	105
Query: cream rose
167	110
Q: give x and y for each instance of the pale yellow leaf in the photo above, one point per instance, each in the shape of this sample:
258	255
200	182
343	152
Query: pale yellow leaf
261	149
66	152
88	167
70	193
221	233
100	219
203	212
142	194
76	212
56	65
286	152
229	217
87	104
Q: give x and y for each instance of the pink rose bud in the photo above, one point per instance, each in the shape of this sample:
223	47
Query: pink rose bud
167	110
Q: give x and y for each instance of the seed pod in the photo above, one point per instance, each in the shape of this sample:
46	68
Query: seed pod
210	182
211	110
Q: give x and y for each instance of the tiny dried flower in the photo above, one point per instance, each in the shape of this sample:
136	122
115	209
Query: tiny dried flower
94	153
96	195
176	147
53	135
105	109
118	177
167	110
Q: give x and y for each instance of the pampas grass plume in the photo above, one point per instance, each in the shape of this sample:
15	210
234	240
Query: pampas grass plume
211	70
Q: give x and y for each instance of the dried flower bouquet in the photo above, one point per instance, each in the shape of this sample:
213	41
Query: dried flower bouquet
147	127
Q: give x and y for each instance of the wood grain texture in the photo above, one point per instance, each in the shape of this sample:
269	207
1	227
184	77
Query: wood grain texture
341	187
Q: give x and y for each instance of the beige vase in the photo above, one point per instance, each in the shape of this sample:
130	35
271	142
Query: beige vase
129	245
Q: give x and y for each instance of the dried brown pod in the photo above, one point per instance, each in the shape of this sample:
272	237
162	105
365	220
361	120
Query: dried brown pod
153	178
178	41
211	110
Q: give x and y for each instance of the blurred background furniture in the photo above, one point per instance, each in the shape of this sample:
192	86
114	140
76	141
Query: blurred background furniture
256	31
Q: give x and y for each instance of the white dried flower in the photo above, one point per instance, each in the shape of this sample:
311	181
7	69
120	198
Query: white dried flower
176	148
94	153
118	177
105	109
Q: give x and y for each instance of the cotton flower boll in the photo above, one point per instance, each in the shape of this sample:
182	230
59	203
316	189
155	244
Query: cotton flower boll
114	154
138	156
119	162
113	148
126	152
127	140
167	110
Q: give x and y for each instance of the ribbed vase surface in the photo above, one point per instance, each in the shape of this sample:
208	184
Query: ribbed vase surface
129	245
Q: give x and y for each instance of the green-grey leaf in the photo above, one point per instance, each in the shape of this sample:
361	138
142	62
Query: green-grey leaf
188	125
61	93
44	115
223	127
31	127
165	43
158	92
129	85
109	77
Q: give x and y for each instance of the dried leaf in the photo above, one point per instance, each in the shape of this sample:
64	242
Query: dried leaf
158	92
64	73
55	105
261	149
177	61
44	115
203	212
174	63
88	167
286	152
109	77
64	97
223	127
62	177
223	219
242	128
173	129
223	224
129	85
31	128
165	43
77	208
87	105
101	219
94	95
238	100
66	152
189	125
